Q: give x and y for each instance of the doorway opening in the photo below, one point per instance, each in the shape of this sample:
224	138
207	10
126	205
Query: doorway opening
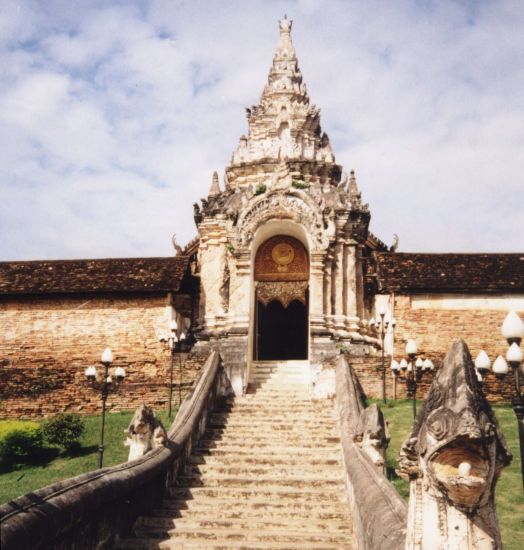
281	330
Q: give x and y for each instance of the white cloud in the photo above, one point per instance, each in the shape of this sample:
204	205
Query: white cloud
113	118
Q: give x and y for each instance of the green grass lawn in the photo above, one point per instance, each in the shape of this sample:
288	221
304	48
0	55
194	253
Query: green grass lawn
509	495
55	465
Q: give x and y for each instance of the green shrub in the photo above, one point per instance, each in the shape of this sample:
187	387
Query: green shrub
7	426
300	184
260	189
64	430
20	444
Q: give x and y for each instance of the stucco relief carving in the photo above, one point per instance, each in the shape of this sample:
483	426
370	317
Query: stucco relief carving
224	288
285	206
283	291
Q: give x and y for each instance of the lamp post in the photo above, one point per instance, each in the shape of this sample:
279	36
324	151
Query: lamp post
175	343
382	326
395	370
107	381
411	351
182	342
513	331
172	342
412	371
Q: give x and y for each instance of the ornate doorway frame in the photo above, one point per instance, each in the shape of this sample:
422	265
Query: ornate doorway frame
281	273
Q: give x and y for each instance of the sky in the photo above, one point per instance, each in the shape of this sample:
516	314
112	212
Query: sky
114	115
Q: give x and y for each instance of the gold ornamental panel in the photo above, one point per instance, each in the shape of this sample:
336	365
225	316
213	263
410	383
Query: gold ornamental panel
282	258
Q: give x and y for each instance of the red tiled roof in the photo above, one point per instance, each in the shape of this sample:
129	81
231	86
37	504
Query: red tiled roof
413	272
106	275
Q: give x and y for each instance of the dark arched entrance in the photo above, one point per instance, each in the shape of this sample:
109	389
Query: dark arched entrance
281	315
282	331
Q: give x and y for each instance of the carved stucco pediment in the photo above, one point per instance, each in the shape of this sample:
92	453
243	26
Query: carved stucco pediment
283	291
296	206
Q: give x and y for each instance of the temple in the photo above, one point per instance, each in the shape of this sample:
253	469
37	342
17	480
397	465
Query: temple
283	267
281	247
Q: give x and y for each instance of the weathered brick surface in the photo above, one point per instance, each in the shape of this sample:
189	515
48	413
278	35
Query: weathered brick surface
368	370
435	329
47	342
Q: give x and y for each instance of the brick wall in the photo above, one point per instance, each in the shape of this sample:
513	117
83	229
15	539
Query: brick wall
47	342
435	329
369	372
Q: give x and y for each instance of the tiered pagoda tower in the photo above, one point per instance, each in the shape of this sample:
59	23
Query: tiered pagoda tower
281	244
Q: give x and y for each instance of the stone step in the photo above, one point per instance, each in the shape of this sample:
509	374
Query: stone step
291	370
283	386
249	399
275	461
270	400
280	389
300	378
276	414
255	431
280	452
146	525
277	437
241	420
280	394
265	448
281	364
300	535
297	375
257	508
275	409
269	443
265	438
294	470
253	411
268	493
269	480
153	544
257	425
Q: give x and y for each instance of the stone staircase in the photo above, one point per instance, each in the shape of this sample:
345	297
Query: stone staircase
268	474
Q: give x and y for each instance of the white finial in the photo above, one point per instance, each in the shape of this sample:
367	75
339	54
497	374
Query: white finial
285	24
215	187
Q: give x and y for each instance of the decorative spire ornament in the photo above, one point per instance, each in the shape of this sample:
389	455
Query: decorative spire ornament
214	190
352	186
284	126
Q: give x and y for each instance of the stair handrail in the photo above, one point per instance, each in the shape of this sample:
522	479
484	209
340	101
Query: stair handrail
379	513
